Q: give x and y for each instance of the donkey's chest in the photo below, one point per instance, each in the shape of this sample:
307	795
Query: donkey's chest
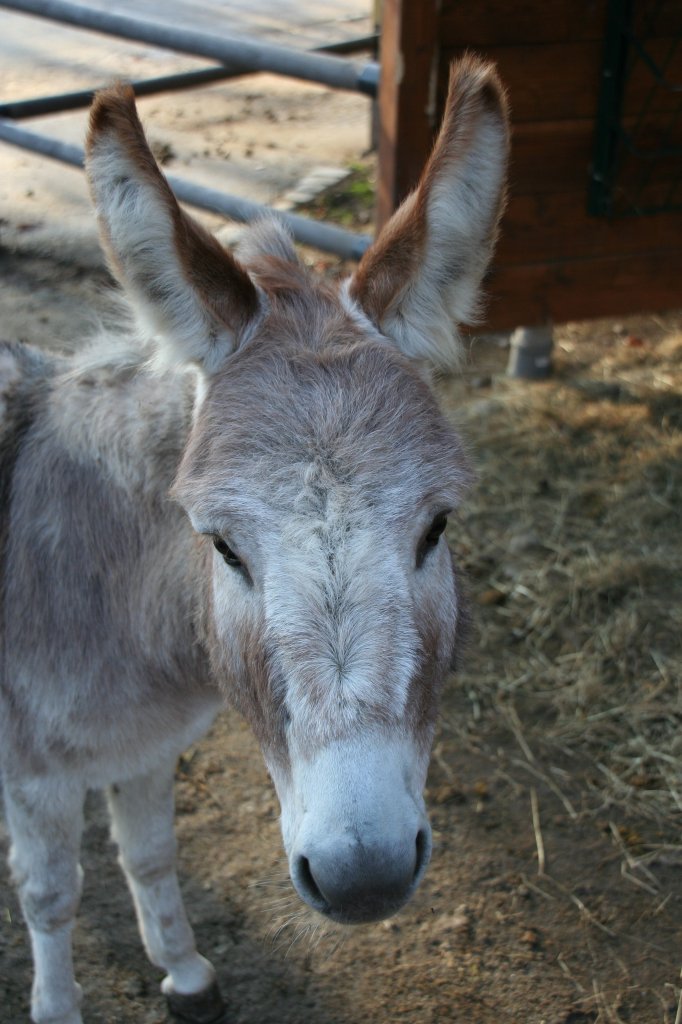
102	729
138	742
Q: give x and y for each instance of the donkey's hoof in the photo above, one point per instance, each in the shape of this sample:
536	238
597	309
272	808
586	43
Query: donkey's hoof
205	1007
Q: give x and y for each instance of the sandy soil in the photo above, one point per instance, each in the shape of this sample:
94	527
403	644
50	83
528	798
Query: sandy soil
555	892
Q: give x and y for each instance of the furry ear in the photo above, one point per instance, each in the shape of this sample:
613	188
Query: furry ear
422	276
184	285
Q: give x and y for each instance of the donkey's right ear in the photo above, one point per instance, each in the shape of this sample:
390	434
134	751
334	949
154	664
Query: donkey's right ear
187	289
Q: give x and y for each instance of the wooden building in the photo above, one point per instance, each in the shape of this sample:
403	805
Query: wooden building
594	221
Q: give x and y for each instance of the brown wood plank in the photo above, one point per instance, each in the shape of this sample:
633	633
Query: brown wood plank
556	81
502	22
490	22
582	289
546	82
556	156
551	156
406	102
557	227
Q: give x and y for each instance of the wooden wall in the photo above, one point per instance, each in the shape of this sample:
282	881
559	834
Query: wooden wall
554	261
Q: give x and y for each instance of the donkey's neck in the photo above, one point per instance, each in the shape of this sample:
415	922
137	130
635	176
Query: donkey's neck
130	422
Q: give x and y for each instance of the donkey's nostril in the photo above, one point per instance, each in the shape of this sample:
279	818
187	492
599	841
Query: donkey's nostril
423	853
308	886
353	883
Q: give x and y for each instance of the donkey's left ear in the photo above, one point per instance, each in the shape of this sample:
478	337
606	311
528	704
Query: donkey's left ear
422	276
188	290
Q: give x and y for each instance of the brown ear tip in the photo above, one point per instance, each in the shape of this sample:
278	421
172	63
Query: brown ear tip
473	75
110	106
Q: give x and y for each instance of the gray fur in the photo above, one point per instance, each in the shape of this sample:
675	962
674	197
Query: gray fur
294	434
94	661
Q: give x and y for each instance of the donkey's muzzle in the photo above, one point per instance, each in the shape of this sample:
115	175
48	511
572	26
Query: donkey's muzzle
354	883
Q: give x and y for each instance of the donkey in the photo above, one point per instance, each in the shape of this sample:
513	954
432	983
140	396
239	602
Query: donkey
240	494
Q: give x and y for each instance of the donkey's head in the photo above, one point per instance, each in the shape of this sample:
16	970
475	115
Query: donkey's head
321	474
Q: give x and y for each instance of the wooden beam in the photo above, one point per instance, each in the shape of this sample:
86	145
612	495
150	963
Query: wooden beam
488	23
583	289
491	22
539	93
407	98
556	227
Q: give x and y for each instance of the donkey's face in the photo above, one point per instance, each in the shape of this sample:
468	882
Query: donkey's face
323	478
321	473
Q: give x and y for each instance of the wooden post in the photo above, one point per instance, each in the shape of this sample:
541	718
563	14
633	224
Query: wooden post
407	97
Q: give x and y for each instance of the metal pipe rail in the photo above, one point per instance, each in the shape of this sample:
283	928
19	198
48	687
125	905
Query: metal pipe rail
79	100
325	237
60	102
237	56
240	54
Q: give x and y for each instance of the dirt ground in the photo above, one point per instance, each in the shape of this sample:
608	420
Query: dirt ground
555	890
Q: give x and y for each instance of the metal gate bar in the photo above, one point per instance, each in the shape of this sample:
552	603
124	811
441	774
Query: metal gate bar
238	52
61	102
322	236
57	104
237	57
630	146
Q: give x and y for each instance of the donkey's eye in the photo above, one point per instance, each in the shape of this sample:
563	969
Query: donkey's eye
226	552
431	537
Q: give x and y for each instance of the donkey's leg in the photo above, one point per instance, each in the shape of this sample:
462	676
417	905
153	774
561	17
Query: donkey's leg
142	825
45	821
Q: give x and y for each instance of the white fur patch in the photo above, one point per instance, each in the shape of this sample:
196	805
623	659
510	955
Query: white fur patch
267	237
369	786
337	612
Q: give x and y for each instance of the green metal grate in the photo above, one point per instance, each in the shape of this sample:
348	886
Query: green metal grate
637	160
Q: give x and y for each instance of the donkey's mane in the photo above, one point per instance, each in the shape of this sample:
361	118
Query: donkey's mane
295	297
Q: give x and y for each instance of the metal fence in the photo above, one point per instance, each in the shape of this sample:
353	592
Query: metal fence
637	165
235	57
